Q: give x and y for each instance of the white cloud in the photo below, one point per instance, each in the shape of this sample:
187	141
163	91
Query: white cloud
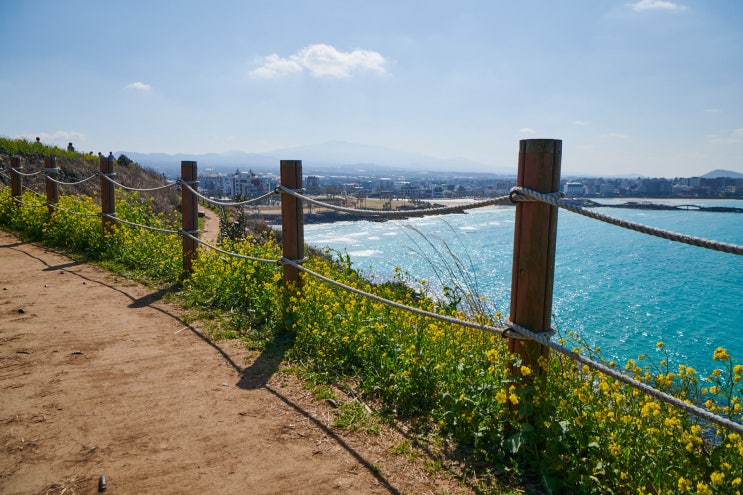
644	5
138	86
734	136
321	60
61	135
581	123
56	137
712	110
614	135
274	66
527	130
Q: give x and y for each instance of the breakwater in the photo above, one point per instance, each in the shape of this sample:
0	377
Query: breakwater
648	205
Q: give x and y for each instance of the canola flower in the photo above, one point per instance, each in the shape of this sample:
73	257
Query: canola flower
586	433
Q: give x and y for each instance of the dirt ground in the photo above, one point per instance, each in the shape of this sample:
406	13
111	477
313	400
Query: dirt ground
100	377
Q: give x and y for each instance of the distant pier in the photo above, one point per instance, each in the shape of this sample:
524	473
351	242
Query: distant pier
647	205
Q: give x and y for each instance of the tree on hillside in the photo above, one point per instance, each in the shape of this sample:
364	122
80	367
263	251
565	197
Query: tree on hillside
124	161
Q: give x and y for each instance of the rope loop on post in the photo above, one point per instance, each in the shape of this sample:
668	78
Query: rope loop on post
286	261
521	194
515	331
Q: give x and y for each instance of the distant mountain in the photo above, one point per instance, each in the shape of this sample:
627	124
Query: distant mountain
332	157
722	173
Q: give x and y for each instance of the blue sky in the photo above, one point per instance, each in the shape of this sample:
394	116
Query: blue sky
651	87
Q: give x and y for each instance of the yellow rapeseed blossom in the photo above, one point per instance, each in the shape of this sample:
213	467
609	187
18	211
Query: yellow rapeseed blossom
703	489
684	485
721	354
717	477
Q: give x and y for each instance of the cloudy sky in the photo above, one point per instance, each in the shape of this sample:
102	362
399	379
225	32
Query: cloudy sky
652	87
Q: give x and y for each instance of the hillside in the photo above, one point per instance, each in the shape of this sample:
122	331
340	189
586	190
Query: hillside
718	173
75	167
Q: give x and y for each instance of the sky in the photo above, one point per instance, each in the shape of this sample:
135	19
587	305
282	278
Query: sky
631	87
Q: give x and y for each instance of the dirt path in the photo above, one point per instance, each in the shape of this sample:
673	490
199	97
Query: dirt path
99	377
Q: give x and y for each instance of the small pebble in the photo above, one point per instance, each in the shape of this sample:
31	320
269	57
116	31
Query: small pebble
333	403
21	311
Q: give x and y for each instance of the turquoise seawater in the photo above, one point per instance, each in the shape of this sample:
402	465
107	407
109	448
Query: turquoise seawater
621	290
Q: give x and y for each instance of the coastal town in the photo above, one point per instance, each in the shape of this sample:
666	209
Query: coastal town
414	187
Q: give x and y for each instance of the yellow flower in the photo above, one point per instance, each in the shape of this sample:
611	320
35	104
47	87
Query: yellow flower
703	489
717	477
721	354
525	371
684	485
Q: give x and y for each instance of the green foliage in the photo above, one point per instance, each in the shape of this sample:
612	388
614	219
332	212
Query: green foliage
579	430
75	225
249	292
353	416
24	147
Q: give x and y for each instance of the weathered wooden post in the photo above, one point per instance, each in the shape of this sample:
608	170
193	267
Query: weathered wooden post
189	212
16	189
108	195
52	188
535	236
292	217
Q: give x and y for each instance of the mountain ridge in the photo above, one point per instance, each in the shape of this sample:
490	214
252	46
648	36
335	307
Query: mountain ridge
345	158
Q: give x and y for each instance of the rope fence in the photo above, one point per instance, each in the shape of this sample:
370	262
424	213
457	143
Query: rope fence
513	331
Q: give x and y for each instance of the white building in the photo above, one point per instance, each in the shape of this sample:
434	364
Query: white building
574	189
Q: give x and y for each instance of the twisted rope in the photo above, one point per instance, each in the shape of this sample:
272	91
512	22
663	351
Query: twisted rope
632	382
531	195
228	253
421	312
139	225
61	183
73	212
140	189
399	213
30	174
542	338
21	202
225	203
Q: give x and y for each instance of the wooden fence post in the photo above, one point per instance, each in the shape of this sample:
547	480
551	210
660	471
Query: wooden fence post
16	189
52	188
189	212
108	195
292	217
534	249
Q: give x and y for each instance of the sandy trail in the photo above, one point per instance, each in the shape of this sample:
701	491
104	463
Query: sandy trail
99	377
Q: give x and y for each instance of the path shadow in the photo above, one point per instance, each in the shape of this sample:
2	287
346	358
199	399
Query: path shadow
149	299
255	376
14	244
62	266
267	363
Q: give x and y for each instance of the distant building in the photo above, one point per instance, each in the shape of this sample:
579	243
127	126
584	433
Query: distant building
244	184
312	184
250	185
574	189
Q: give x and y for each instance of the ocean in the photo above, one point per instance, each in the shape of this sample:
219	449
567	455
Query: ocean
620	290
